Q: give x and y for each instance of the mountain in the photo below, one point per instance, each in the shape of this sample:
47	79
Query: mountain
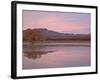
42	34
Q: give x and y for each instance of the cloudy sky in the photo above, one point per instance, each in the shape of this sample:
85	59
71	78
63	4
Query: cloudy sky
65	22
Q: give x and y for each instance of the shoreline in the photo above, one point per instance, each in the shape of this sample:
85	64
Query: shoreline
57	44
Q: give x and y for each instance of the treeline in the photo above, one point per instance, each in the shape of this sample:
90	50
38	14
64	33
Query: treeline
32	35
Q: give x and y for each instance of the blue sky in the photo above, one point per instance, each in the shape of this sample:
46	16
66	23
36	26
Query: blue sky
66	22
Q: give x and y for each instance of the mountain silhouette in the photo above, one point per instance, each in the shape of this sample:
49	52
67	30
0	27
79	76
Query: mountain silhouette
42	34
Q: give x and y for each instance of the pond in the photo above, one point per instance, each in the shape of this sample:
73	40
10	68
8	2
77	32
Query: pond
37	57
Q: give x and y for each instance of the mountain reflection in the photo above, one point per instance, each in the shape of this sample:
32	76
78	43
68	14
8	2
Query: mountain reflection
35	54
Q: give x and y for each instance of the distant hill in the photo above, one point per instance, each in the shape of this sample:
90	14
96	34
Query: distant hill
43	34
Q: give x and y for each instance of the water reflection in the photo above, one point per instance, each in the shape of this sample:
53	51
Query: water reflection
37	57
35	54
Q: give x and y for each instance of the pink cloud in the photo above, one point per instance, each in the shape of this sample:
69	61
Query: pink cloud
55	22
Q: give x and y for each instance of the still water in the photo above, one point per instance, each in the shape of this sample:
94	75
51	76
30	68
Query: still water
55	56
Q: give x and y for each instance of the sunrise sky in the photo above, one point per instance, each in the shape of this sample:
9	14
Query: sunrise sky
65	22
